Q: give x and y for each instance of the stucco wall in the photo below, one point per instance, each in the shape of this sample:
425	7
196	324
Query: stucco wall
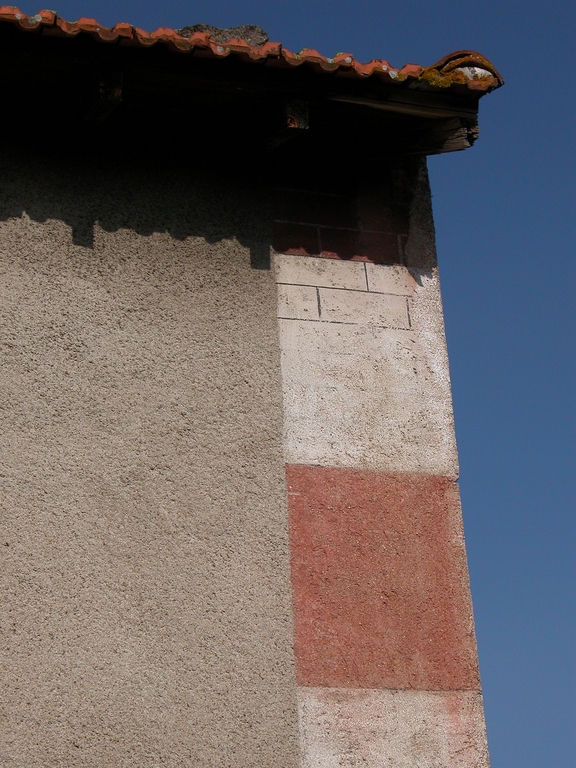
147	613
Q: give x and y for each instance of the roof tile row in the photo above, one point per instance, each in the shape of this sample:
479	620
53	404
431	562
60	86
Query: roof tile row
463	68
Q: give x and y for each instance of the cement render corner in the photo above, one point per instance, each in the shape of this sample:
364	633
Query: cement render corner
149	611
371	390
365	369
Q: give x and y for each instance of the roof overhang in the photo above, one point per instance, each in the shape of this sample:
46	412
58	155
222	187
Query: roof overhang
77	80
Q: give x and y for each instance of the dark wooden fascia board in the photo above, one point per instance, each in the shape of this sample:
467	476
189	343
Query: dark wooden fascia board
159	69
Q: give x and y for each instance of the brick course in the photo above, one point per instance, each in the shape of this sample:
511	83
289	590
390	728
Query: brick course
334	220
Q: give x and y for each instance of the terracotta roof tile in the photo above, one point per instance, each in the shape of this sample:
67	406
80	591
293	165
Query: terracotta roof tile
462	68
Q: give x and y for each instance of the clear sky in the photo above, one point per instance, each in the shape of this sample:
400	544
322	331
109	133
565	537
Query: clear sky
506	225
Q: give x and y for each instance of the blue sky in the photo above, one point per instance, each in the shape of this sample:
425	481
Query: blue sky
506	225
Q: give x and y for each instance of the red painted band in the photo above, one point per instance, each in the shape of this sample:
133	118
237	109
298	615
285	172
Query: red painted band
381	595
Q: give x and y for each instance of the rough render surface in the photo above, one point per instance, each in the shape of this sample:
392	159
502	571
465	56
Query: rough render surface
384	636
346	728
146	605
381	595
364	365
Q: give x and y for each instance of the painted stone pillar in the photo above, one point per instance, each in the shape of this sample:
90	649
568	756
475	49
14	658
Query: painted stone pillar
386	659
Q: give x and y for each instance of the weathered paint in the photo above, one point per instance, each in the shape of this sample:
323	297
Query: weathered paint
324	273
364	367
381	596
350	728
394	279
385	650
332	305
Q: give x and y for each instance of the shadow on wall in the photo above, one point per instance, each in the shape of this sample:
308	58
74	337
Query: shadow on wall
144	196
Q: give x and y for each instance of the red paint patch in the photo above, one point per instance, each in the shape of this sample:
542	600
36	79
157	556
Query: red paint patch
381	595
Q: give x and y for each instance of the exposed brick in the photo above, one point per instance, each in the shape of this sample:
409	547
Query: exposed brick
380	216
379	247
381	595
293	174
314	208
383	220
338	180
340	243
295	238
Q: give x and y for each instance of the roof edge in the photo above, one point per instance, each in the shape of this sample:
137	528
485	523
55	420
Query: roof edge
467	69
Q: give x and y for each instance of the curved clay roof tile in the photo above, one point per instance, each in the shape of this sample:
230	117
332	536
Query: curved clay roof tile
467	69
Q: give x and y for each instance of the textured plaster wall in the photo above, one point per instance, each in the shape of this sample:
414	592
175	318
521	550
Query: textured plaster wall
146	613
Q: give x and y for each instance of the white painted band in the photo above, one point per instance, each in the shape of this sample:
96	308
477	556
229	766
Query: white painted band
353	728
364	367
